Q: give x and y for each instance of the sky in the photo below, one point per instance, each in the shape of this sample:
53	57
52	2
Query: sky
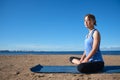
57	25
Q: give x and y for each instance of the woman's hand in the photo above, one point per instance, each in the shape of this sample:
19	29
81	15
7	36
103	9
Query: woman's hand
85	60
81	60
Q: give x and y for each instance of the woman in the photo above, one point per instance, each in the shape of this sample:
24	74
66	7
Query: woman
91	61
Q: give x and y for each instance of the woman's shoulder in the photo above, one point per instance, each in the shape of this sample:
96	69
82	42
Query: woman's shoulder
96	33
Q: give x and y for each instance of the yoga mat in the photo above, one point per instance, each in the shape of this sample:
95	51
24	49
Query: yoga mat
54	69
69	69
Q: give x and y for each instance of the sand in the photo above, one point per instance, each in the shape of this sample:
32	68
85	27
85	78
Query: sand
17	67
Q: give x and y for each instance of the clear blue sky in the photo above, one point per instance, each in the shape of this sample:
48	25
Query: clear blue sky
55	25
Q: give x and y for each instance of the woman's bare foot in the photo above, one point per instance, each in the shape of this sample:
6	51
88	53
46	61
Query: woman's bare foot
76	61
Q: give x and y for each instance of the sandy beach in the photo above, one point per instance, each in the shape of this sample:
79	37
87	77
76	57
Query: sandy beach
17	67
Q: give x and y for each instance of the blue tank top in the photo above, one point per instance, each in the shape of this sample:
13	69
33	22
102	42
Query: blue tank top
88	47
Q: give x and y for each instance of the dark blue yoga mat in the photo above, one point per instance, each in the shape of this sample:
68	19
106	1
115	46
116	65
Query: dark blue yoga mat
69	69
54	69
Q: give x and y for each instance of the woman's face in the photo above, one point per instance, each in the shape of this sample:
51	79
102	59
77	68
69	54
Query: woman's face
89	23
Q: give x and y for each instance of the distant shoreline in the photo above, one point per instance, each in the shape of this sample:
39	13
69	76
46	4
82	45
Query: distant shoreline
7	52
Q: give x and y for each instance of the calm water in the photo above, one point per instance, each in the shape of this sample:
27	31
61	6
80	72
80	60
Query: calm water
53	52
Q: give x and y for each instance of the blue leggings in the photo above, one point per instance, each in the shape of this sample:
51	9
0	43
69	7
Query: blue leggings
89	67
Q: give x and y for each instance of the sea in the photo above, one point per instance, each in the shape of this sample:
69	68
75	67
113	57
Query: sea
54	52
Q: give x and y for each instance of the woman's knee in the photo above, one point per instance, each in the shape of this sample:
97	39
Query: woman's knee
90	67
81	68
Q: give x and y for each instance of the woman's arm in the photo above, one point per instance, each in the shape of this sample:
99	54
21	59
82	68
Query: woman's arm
96	41
82	57
76	61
